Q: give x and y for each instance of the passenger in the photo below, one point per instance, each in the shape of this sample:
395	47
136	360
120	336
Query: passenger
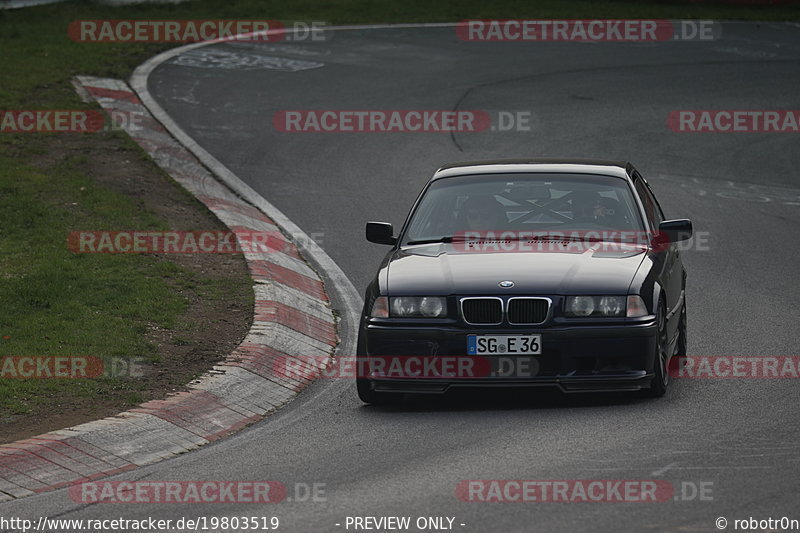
483	213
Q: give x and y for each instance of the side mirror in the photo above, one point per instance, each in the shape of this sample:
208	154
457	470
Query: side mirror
380	233
676	230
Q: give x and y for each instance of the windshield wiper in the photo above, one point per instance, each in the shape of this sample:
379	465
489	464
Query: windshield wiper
470	238
582	238
566	238
446	239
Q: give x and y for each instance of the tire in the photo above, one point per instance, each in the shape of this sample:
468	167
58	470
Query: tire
680	345
367	395
660	382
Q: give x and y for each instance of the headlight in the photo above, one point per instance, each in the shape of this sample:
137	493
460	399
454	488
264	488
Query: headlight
418	306
404	306
582	306
612	306
432	306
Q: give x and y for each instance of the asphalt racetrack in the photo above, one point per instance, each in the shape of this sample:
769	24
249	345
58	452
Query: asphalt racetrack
738	439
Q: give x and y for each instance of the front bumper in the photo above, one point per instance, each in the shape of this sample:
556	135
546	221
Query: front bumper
575	358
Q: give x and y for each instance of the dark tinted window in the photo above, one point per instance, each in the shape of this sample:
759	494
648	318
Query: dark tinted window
524	202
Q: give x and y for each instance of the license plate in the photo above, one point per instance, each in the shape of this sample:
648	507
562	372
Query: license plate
504	344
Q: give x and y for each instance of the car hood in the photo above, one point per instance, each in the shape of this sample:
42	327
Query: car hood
440	269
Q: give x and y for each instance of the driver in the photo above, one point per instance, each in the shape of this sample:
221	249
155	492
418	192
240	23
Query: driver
607	209
585	206
589	206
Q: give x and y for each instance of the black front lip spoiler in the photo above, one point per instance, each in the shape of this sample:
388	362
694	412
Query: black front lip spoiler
627	382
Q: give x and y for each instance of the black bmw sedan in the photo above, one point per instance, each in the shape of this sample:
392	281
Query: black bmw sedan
526	273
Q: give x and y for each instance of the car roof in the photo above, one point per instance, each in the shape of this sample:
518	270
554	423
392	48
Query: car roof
602	167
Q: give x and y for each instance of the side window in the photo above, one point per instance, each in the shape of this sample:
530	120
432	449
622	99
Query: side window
651	208
659	214
657	207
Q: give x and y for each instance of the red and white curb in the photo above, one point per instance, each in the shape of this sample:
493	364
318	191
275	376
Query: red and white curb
292	317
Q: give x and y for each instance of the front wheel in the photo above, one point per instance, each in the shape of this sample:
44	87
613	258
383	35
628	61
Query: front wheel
680	348
658	387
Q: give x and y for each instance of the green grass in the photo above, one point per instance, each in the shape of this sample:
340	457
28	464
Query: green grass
55	303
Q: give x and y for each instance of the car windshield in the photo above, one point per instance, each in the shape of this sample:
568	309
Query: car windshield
541	203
